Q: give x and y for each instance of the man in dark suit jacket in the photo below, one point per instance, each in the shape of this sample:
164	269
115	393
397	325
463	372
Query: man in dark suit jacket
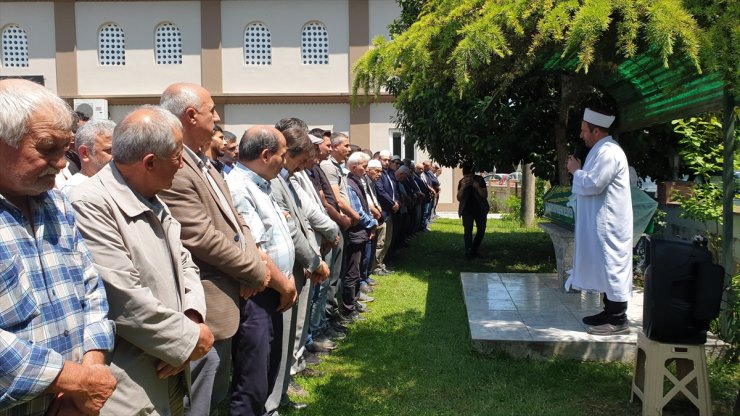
387	191
222	246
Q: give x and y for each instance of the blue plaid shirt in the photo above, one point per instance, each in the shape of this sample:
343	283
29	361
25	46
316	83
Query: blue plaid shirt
52	302
253	199
366	220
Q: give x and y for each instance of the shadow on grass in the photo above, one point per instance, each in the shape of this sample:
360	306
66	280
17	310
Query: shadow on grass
413	354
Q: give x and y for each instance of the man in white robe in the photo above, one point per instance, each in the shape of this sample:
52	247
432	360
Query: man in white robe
602	258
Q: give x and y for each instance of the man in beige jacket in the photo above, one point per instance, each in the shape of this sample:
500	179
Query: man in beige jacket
155	295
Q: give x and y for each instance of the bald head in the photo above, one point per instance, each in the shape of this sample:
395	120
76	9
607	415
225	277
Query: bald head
257	139
262	149
194	107
146	130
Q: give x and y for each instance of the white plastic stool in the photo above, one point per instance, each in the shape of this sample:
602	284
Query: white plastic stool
651	371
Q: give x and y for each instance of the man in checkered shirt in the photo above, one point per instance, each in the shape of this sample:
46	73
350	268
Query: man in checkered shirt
54	329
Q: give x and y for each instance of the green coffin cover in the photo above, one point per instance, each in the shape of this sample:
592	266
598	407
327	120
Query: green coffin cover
558	208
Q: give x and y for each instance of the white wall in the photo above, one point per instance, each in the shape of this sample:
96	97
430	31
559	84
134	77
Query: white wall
239	117
287	74
37	19
141	74
382	13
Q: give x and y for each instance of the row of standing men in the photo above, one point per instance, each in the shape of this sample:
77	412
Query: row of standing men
158	280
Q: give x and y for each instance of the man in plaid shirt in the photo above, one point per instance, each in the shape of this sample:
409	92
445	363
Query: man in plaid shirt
54	329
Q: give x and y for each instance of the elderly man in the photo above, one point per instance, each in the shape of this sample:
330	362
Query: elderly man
602	256
258	342
154	289
93	142
357	236
214	233
54	329
386	188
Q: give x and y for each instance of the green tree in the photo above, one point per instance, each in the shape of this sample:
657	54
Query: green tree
467	73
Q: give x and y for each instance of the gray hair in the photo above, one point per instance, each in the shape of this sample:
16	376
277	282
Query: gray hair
179	97
337	138
255	140
136	137
89	132
357	158
19	100
385	153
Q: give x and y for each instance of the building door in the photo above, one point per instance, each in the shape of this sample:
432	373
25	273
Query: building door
400	146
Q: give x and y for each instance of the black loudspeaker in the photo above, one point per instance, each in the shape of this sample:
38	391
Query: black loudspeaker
683	290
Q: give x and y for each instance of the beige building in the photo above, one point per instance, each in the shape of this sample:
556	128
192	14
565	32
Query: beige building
260	59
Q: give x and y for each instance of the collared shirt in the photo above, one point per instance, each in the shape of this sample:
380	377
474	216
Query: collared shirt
335	174
366	220
253	199
53	305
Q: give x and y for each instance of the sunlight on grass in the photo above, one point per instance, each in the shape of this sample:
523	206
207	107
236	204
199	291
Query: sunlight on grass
413	354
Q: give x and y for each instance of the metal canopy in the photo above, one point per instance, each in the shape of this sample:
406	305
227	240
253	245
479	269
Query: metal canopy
647	93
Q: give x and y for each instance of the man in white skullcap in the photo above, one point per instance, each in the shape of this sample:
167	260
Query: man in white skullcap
602	258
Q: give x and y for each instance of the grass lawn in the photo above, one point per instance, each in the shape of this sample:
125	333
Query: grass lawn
413	354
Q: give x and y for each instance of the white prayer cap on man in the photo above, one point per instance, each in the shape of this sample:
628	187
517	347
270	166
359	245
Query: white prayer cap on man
598	119
316	140
373	163
385	153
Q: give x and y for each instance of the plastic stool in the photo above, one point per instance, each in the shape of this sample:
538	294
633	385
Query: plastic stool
651	371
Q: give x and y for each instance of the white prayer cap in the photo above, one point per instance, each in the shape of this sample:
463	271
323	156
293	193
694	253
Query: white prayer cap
597	119
315	140
373	163
385	153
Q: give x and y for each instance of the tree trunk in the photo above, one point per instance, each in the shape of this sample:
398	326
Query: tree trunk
528	193
561	142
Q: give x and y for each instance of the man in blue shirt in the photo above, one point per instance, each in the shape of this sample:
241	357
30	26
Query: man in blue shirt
54	329
258	341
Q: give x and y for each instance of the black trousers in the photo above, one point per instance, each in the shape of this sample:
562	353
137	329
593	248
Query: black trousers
351	288
472	245
256	349
616	311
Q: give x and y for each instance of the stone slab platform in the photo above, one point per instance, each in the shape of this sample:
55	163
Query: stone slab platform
529	315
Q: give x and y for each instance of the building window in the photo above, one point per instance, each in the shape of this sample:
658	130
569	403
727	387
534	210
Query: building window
168	44
314	44
257	45
15	47
401	147
111	45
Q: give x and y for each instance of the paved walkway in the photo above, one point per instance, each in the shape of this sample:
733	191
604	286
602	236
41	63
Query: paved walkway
528	314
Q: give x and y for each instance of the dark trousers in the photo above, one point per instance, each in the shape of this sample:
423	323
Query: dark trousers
257	348
368	252
351	288
472	245
616	311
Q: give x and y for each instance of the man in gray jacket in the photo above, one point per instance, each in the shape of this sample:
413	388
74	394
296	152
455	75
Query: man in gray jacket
154	291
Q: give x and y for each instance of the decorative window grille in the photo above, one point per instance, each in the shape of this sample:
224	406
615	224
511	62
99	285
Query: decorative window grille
257	45
314	44
15	46
111	45
168	44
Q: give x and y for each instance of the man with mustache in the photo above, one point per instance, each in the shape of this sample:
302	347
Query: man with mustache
54	330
